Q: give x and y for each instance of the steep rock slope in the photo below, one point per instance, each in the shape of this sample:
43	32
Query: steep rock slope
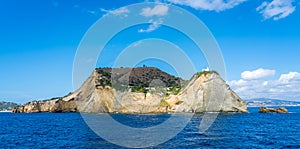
207	93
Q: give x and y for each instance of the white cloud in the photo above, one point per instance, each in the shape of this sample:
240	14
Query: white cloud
290	77
287	86
158	10
257	74
211	5
277	9
153	26
238	82
118	12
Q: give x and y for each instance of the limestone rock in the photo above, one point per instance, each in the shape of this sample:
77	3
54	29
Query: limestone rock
207	93
53	105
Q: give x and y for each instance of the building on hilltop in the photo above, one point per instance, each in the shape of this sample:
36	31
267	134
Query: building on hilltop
206	69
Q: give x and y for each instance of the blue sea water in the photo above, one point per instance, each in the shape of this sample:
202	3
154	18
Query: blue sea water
68	130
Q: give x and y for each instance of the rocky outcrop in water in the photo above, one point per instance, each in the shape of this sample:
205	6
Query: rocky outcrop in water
107	92
272	110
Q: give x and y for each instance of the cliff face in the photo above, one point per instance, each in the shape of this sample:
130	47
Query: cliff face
204	92
207	93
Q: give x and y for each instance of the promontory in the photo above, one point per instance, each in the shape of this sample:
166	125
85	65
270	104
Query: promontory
143	90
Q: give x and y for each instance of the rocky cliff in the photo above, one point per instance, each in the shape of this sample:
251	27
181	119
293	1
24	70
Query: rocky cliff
107	91
53	105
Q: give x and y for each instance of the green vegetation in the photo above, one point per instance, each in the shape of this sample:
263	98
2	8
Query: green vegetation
104	82
140	79
206	72
167	94
139	88
164	103
175	89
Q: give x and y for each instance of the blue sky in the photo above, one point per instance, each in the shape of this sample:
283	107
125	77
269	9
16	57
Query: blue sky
259	41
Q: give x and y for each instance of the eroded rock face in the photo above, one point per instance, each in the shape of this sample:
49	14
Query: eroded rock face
207	92
273	110
54	105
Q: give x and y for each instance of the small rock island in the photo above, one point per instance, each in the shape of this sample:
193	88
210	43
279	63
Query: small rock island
144	90
273	110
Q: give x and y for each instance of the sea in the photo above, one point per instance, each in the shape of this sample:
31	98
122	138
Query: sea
69	130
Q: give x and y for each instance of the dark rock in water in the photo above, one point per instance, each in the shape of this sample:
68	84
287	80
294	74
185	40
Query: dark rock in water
272	110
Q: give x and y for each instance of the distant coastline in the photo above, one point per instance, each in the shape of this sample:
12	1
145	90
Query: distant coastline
274	106
5	111
7	106
267	102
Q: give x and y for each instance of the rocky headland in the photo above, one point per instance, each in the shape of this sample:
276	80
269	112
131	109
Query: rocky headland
144	90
